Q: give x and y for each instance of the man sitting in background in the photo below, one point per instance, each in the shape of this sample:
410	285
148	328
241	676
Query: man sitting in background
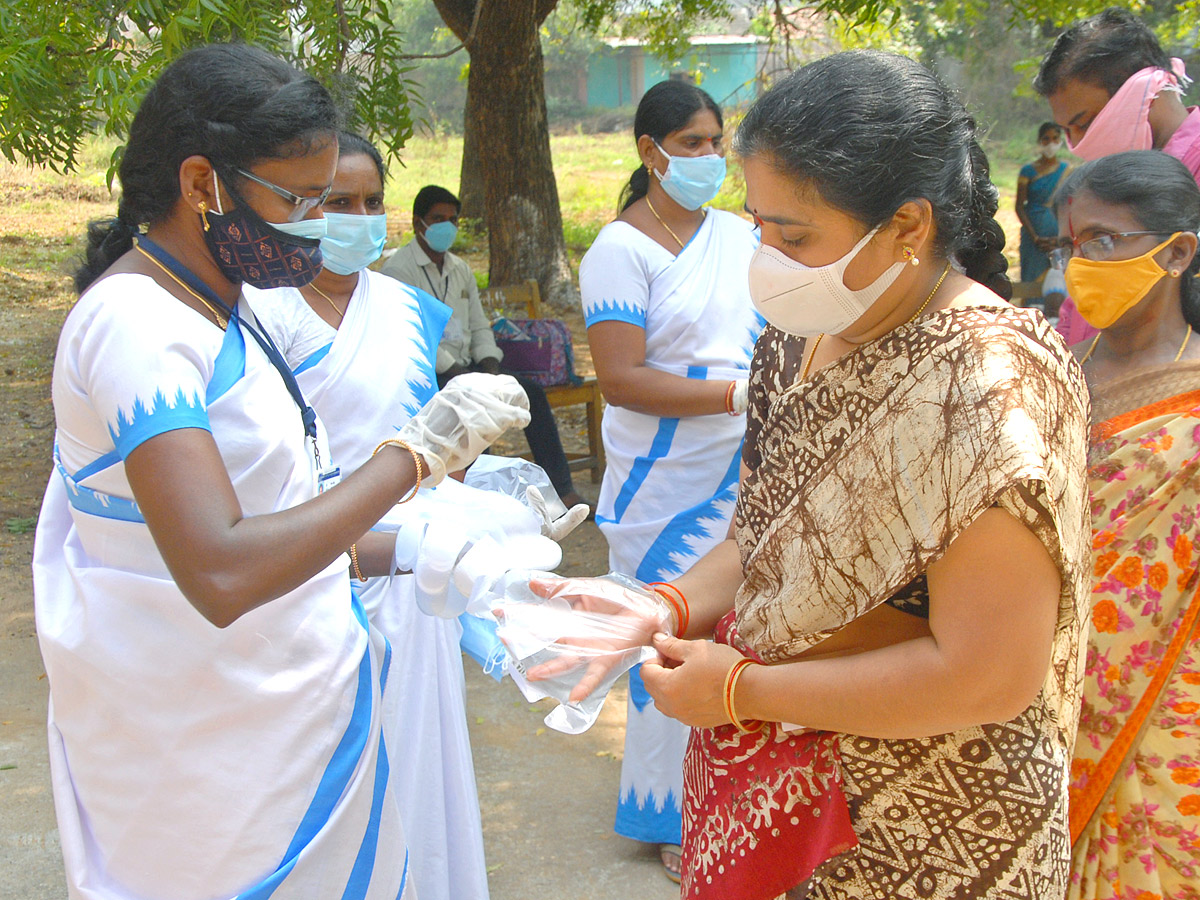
467	344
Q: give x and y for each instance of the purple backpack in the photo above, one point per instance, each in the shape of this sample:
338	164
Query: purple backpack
538	349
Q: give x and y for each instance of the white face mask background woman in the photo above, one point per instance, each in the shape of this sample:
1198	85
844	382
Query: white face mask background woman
909	559
363	346
218	722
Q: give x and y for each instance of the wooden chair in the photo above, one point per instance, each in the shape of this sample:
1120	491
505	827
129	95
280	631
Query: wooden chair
526	297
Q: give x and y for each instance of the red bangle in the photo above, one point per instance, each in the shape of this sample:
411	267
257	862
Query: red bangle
729	398
683	612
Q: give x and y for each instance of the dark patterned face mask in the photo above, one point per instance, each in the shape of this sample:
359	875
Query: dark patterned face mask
249	249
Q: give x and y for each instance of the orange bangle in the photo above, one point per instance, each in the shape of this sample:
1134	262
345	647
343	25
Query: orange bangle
731	680
416	457
729	398
354	564
683	612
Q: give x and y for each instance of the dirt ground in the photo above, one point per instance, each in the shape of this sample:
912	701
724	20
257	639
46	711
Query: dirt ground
547	799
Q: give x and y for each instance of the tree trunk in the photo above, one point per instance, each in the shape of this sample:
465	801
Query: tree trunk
506	111
470	179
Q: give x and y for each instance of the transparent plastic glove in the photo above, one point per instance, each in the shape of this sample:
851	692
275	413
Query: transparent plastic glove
490	558
463	418
527	482
571	638
555	527
441	546
741	396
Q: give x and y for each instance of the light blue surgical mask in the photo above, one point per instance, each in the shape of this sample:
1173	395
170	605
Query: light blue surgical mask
440	236
305	228
352	242
692	181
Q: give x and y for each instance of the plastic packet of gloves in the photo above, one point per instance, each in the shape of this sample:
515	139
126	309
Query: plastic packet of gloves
561	633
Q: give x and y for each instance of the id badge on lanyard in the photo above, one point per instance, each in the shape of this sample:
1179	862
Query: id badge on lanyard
325	476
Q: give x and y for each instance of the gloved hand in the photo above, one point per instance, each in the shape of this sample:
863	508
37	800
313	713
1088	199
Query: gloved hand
463	418
555	528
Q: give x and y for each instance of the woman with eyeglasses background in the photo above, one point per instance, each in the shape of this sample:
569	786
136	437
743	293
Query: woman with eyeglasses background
218	724
1129	224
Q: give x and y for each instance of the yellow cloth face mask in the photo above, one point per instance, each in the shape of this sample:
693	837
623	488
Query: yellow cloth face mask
1104	290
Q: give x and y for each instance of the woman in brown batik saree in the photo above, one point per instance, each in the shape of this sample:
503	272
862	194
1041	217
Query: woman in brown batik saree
1129	226
909	558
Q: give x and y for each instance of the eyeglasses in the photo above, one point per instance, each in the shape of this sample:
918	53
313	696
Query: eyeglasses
1097	249
303	205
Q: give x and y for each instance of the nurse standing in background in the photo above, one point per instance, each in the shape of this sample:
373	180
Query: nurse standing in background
671	329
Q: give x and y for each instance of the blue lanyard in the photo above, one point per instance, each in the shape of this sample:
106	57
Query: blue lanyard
188	277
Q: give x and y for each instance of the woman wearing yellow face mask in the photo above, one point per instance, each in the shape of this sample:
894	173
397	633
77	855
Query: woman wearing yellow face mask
1129	225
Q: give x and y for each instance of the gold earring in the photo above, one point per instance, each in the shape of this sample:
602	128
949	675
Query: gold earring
909	256
1174	273
204	215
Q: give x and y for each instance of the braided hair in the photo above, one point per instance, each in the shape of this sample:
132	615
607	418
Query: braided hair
871	131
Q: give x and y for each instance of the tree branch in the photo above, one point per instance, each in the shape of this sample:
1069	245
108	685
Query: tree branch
470	36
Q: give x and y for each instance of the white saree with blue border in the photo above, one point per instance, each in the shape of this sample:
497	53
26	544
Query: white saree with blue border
191	762
671	483
366	379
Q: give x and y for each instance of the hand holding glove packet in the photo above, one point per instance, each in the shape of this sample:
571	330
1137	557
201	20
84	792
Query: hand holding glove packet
572	638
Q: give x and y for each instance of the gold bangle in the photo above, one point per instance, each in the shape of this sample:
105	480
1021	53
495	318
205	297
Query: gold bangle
731	680
416	457
354	564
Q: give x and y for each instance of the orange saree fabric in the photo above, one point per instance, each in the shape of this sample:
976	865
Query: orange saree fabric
1135	778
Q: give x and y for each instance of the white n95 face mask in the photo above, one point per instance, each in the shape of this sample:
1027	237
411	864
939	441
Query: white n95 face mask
811	300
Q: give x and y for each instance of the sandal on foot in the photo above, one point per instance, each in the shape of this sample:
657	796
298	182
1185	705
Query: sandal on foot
671	856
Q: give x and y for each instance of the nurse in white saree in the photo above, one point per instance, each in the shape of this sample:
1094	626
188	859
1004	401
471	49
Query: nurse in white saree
672	332
219	704
362	346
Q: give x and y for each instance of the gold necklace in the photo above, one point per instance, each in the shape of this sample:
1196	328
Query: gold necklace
662	223
222	322
1178	355
341	315
817	342
913	317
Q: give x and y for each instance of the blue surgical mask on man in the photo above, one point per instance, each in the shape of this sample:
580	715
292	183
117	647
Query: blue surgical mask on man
352	242
692	181
440	236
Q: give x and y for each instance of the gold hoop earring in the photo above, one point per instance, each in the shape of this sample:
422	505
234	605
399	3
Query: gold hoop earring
909	255
204	215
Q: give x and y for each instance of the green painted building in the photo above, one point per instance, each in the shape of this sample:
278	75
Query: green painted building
726	66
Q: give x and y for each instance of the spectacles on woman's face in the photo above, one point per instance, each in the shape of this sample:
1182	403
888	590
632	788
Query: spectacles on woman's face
1097	249
302	206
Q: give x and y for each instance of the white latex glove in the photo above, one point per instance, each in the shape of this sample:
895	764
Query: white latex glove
463	418
555	529
741	396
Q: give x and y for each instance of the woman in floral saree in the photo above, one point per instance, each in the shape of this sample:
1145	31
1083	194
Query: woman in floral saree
1129	226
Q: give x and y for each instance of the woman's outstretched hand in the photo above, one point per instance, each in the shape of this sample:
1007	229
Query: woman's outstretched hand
613	620
688	683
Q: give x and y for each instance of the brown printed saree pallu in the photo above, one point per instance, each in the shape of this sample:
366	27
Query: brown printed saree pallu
860	477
